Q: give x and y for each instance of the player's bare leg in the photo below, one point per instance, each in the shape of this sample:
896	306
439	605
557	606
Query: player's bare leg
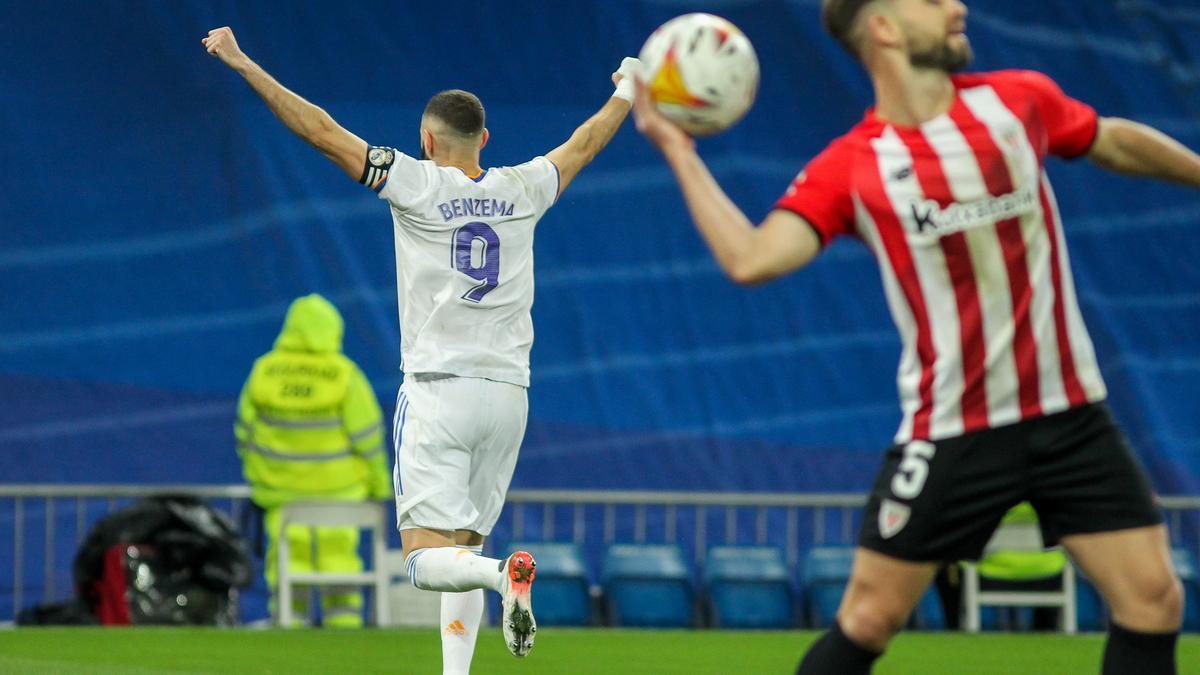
435	563
879	598
420	537
1132	569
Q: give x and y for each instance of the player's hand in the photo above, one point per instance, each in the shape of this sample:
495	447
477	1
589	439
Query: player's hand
660	131
222	44
629	69
624	78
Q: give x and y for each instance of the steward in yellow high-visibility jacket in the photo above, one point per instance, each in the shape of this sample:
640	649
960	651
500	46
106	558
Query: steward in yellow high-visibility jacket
309	428
1036	569
1022	565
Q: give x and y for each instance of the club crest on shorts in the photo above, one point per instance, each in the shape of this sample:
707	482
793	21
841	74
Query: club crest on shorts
893	516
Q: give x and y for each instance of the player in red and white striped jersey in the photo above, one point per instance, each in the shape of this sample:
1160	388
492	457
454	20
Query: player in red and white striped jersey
954	208
1002	397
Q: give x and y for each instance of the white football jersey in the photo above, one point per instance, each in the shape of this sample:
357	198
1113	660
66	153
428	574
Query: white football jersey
464	261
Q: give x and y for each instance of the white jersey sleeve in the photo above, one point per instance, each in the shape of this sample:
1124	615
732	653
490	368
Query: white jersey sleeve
397	178
541	178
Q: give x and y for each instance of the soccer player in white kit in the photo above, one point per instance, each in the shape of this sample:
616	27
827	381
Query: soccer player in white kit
464	275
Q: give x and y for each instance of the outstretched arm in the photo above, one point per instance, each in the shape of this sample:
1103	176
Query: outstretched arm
591	136
306	120
783	243
1130	147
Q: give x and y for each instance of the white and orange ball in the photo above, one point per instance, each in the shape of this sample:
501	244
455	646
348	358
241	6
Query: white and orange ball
701	72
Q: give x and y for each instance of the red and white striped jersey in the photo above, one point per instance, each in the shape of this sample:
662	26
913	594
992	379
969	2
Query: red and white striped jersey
963	222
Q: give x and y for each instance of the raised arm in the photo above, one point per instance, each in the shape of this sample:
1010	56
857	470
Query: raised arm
306	120
591	136
782	243
1133	148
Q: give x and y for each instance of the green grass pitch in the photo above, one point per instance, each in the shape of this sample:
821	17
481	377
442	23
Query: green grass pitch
142	651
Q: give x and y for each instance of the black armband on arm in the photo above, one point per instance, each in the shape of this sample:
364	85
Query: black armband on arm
378	163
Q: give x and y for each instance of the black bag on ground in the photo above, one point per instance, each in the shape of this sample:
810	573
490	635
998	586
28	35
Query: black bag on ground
163	560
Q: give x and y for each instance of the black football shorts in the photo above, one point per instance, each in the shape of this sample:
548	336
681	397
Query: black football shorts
940	501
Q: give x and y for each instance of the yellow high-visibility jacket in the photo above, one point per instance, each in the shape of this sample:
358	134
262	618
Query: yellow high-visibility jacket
309	426
1022	565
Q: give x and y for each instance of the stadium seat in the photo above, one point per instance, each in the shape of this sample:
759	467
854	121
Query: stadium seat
364	515
647	586
1186	568
1017	536
748	587
562	583
826	571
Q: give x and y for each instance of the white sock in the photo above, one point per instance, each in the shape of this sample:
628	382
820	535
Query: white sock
461	615
452	569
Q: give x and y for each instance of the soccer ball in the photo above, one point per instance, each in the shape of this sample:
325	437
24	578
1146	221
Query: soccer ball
701	72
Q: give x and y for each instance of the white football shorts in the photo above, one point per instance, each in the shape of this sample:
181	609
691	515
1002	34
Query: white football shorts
456	441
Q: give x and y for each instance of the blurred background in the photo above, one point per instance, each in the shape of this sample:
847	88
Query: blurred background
156	220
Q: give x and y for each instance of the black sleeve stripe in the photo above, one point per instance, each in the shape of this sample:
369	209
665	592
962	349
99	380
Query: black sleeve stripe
371	175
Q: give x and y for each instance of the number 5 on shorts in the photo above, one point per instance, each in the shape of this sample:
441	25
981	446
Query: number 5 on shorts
913	470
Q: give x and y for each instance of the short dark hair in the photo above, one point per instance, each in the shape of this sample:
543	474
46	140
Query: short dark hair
839	16
460	110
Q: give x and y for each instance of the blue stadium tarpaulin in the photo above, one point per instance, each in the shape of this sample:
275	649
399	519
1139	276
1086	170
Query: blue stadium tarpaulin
157	220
